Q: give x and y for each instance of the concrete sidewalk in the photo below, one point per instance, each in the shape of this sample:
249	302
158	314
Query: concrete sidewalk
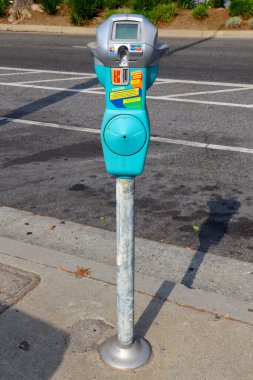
165	33
156	262
54	331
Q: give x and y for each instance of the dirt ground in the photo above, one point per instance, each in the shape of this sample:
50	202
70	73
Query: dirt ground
215	21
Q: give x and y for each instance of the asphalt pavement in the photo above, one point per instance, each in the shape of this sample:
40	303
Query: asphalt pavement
196	190
213	59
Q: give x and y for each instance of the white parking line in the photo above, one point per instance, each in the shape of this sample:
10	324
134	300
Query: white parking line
16	69
160	80
47	71
155	139
206	102
95	91
210	92
203	145
165	81
172	97
205	83
50	125
10	74
52	88
98	88
52	80
80	47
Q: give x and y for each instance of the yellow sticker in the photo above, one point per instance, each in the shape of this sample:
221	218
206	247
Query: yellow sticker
136	79
139	72
124	94
132	100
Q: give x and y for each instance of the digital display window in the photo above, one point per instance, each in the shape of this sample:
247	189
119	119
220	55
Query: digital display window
126	31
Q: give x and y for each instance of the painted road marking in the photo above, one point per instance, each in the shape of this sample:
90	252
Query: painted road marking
160	80
80	47
94	91
172	97
50	125
206	102
205	83
98	88
52	80
203	145
210	92
27	72
46	71
52	88
155	139
166	81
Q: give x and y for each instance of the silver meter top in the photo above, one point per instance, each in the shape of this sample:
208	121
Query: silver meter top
127	40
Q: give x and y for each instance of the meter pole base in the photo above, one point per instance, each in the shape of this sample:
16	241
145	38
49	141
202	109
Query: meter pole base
125	351
135	355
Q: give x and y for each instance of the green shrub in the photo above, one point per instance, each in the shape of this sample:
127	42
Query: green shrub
216	3
112	4
242	8
140	6
163	13
83	10
250	23
117	11
50	6
3	6
165	2
185	4
200	11
233	22
129	3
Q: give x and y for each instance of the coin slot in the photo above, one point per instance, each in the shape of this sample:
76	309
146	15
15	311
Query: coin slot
125	76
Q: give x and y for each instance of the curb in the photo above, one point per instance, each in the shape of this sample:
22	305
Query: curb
25	256
205	33
166	33
215	274
48	29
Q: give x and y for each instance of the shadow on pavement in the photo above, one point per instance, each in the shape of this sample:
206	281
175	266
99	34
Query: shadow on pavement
30	348
211	233
187	46
37	105
198	42
152	310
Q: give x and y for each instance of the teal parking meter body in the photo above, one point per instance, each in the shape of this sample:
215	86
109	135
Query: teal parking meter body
126	63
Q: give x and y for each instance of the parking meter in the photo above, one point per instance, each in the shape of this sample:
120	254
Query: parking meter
126	55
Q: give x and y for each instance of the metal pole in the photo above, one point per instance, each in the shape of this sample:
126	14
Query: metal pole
125	351
125	260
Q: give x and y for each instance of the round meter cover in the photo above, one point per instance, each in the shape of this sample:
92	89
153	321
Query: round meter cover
125	135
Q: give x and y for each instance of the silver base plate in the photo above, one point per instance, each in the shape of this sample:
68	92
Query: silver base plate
131	357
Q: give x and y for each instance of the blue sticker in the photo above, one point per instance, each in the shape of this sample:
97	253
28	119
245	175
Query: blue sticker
136	47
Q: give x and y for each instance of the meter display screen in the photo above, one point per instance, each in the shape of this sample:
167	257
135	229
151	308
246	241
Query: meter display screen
126	31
